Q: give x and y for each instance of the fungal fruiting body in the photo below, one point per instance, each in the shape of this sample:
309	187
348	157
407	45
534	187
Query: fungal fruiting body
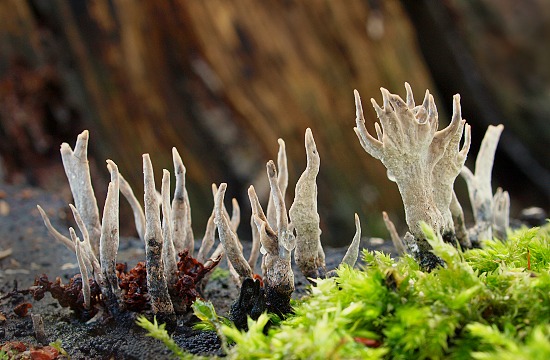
309	253
157	282
411	148
279	237
162	282
424	162
277	247
484	204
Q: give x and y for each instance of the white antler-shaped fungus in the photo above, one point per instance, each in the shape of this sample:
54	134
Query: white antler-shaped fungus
479	184
501	213
156	281
303	214
350	258
398	244
423	161
420	159
181	210
276	247
282	180
77	170
53	232
168	251
109	240
447	141
209	237
83	269
92	263
228	237
161	261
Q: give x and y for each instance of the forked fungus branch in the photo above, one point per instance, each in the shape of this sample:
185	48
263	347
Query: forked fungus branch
424	162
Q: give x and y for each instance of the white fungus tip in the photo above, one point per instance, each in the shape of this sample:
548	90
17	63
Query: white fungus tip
271	170
410	97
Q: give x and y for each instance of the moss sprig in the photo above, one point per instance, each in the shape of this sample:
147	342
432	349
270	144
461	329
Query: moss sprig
159	332
483	304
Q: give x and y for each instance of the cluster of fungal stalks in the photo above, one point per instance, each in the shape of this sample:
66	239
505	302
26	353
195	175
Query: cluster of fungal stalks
168	280
162	282
279	233
424	162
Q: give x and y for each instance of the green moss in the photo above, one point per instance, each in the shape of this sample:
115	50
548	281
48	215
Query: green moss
219	274
485	304
57	345
490	303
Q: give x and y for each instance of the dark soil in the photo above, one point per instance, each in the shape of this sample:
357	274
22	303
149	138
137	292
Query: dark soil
34	252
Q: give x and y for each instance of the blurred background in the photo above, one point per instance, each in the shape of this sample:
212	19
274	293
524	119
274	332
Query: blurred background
223	80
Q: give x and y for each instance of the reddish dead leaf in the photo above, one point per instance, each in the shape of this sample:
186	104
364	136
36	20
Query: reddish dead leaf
372	343
259	278
22	309
45	353
68	295
190	273
133	284
13	346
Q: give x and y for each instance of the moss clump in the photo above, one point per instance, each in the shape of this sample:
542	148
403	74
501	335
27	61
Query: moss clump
487	303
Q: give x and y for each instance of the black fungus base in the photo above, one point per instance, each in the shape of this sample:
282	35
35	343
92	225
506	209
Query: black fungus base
425	257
